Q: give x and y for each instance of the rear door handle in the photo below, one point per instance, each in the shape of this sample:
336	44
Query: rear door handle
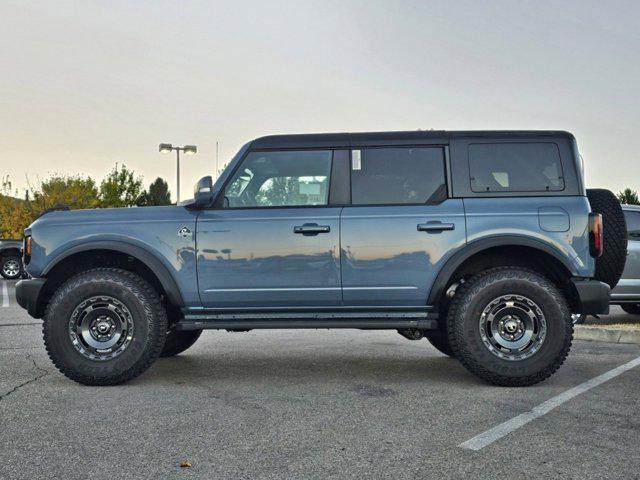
435	227
311	229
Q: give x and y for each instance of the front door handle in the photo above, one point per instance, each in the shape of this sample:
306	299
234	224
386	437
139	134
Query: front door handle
435	227
311	229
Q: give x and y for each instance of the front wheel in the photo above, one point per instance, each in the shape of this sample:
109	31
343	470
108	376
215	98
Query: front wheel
510	326
104	327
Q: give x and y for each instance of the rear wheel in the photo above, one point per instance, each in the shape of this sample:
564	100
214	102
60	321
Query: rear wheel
178	341
440	340
510	326
631	308
104	327
11	267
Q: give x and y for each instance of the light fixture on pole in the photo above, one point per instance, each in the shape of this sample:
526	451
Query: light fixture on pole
187	149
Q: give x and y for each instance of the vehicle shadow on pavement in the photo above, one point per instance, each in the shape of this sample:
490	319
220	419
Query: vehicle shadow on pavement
292	369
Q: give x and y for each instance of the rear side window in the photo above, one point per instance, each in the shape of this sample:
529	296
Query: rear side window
515	167
404	175
633	224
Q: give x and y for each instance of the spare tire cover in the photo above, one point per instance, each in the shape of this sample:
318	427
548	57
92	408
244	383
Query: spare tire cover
610	265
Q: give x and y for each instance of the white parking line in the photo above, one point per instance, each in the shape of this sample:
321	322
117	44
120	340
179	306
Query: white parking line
496	433
5	295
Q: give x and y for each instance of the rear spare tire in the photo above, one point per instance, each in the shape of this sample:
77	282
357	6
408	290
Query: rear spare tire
610	264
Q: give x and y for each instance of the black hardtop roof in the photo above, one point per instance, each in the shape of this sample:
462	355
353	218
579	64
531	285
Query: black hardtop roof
407	137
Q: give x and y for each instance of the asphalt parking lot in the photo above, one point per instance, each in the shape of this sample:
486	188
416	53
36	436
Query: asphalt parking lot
310	404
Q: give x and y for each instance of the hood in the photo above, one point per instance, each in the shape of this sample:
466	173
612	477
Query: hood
108	215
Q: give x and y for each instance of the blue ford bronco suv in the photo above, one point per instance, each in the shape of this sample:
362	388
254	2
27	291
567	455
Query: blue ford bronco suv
484	243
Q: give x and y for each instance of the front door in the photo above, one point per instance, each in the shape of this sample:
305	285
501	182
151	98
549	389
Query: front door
274	242
400	228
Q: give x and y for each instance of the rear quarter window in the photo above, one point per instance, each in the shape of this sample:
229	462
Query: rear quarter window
515	167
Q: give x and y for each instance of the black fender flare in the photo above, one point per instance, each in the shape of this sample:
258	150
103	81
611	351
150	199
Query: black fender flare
477	246
151	261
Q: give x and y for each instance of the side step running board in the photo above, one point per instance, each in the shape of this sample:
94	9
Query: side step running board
282	320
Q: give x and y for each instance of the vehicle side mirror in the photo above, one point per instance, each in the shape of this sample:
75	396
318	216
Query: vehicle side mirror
203	192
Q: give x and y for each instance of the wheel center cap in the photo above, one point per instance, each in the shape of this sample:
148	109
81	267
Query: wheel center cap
511	326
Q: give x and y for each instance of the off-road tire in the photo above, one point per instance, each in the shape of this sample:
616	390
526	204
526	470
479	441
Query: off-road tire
440	341
631	308
610	265
463	323
149	332
5	259
178	341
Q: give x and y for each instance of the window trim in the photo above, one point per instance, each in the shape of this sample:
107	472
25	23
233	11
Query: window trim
217	202
445	163
488	193
340	181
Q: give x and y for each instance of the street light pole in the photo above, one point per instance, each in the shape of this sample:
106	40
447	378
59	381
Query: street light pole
188	149
178	176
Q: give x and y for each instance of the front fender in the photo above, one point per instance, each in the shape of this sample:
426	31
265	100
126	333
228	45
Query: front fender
155	264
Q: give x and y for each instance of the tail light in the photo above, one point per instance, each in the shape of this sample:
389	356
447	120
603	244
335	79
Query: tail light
595	235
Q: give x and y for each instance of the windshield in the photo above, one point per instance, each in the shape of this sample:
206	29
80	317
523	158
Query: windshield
230	166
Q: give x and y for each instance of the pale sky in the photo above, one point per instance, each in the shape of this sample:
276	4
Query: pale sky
86	84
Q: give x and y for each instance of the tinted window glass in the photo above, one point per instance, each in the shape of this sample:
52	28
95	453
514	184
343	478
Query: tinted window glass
280	179
397	175
633	224
515	167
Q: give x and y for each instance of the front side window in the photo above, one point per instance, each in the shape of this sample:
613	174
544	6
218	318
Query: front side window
280	179
392	176
633	224
515	167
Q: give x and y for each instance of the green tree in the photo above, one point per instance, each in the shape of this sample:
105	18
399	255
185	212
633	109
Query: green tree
628	196
73	191
279	191
120	188
15	214
158	194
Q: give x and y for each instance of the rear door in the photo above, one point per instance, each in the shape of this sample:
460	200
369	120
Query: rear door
400	227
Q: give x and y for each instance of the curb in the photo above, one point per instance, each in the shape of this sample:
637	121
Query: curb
610	335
